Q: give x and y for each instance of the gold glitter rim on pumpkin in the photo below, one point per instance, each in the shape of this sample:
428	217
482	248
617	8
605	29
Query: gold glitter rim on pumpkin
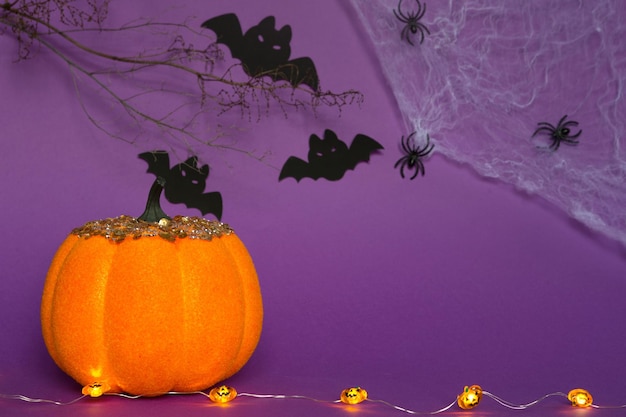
117	229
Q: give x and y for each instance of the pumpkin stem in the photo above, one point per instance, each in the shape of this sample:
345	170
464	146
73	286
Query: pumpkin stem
153	212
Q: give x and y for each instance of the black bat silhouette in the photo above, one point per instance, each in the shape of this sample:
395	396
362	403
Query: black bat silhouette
330	157
185	182
263	50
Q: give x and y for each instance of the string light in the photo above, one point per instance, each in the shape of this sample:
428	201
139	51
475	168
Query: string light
222	394
96	389
468	399
580	398
353	395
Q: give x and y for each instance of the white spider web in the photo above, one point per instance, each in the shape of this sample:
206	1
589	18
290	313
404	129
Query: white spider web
491	70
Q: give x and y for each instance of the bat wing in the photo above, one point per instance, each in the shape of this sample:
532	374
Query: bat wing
177	191
361	149
228	31
158	163
206	203
298	169
186	185
297	71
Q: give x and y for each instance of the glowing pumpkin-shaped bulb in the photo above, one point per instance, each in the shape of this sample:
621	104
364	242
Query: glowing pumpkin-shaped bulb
222	394
353	395
470	397
96	389
580	398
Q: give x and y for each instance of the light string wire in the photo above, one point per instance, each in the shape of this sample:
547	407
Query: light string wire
513	406
408	411
494	397
249	394
40	400
297	397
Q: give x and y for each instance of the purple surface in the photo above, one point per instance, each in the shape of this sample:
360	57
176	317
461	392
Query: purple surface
410	289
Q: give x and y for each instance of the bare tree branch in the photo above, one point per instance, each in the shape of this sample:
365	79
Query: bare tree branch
128	80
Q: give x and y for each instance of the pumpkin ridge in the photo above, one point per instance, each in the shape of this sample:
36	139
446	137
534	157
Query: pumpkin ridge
214	287
188	334
81	331
252	314
184	278
99	373
143	306
48	297
107	364
234	363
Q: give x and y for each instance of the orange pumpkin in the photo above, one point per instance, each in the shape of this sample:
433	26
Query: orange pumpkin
146	307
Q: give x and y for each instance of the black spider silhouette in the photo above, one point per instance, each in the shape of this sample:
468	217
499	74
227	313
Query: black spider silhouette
413	155
560	133
412	22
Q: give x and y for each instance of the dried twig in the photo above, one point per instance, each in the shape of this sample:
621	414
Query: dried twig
60	26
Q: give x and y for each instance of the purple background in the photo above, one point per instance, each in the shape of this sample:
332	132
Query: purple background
410	289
